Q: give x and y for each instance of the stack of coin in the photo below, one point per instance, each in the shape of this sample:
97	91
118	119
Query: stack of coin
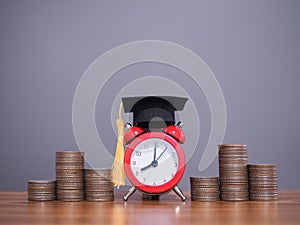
233	172
263	182
205	189
98	185
69	176
41	190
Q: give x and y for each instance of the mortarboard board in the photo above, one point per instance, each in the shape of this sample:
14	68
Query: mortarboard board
157	110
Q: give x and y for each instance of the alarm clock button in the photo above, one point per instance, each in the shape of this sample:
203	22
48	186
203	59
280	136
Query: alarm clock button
176	133
132	133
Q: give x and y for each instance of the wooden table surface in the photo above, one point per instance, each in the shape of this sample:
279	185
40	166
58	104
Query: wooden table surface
15	209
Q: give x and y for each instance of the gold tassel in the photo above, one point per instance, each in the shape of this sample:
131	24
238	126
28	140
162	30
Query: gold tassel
118	173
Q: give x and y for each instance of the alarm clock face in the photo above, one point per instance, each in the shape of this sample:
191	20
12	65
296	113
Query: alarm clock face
154	162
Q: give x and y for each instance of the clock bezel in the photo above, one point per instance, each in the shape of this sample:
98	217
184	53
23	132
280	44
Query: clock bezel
159	189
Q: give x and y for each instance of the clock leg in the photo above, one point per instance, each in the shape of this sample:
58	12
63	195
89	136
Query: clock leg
179	193
130	192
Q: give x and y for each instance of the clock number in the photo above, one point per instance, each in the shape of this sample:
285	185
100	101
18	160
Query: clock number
144	179
175	164
172	175
137	173
137	153
134	162
165	180
154	184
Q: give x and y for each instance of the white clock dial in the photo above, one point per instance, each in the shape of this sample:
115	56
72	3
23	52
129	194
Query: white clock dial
154	162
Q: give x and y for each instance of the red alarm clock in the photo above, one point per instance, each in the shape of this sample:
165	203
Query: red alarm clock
154	159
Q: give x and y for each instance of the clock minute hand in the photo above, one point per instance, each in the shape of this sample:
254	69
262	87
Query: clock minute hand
162	153
154	157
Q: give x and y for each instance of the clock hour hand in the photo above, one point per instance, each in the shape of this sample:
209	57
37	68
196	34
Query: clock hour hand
146	167
154	163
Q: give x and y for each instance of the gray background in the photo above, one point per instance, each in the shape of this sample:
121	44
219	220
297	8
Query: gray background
253	47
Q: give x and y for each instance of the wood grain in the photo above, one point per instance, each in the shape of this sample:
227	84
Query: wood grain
15	209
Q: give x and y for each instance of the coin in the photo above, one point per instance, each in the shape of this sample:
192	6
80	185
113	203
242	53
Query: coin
70	185
263	182
41	190
204	181
205	188
238	146
233	172
69	175
100	198
70	195
98	185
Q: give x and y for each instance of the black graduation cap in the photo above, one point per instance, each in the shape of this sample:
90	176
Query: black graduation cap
153	111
